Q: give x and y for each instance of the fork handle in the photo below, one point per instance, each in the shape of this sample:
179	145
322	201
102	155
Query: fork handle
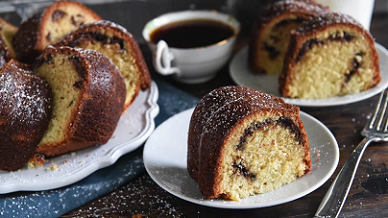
335	197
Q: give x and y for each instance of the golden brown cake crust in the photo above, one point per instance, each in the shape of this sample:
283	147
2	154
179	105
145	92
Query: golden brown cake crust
117	34
6	53
100	104
216	115
297	7
29	41
321	24
26	38
25	112
275	12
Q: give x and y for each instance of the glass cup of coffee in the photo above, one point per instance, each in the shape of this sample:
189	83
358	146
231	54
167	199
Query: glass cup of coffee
191	45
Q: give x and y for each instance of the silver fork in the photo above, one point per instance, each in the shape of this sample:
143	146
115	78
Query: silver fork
375	130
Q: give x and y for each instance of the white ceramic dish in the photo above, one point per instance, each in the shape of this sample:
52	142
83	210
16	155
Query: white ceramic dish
243	76
165	160
134	127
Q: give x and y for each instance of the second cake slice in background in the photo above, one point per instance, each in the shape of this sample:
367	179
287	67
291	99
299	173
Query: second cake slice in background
120	47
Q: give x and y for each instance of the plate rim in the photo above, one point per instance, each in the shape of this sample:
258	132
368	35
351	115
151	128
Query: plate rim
204	202
108	159
323	102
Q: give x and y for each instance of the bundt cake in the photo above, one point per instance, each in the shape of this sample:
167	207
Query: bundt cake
47	27
88	98
7	31
25	111
118	45
243	142
330	55
271	33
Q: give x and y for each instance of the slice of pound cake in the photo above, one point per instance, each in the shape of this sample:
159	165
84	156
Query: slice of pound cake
120	47
271	33
88	97
330	55
25	101
48	26
243	142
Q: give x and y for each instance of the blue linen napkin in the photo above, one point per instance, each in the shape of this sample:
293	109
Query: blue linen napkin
54	203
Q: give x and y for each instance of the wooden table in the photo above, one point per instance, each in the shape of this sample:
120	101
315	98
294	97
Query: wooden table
367	198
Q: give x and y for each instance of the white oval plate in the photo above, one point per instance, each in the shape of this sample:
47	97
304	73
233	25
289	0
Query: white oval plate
133	128
165	156
242	75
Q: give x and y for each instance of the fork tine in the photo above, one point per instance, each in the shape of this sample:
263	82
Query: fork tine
386	114
383	115
376	112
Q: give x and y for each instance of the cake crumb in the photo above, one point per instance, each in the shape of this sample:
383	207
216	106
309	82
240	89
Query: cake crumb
35	161
52	167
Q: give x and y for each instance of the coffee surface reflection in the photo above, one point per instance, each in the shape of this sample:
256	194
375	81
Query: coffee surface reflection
192	33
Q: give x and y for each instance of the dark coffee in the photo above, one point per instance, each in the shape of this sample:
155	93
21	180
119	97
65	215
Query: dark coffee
192	33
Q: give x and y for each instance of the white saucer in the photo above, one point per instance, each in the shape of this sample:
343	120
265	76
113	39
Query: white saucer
134	127
243	76
165	161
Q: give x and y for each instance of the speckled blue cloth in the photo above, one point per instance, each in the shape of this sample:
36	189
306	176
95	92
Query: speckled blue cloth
54	203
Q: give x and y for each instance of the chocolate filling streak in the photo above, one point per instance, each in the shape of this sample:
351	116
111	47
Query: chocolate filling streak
71	103
57	14
289	21
95	36
75	23
286	122
49	58
306	47
44	59
272	51
78	84
355	65
241	170
79	68
48	36
344	37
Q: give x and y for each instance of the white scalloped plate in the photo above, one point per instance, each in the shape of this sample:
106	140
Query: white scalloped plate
165	157
134	127
242	75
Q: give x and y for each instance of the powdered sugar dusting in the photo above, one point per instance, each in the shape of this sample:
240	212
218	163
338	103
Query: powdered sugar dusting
298	8
143	192
24	96
223	107
328	19
108	24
